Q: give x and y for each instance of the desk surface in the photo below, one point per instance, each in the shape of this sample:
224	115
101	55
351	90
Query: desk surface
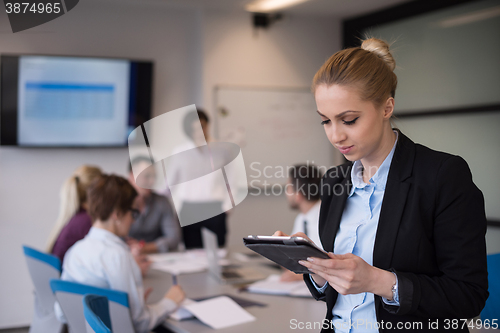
275	317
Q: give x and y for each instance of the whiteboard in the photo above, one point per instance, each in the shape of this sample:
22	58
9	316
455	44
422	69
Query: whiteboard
275	128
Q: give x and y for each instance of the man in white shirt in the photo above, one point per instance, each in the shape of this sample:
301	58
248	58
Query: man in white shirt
303	194
210	196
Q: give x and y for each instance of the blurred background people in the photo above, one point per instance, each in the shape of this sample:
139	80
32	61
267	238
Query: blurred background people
210	195
157	228
73	222
303	192
102	259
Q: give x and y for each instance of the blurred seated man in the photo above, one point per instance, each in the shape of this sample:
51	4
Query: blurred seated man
157	228
303	192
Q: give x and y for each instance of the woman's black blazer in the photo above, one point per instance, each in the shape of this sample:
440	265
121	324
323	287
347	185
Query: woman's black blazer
431	233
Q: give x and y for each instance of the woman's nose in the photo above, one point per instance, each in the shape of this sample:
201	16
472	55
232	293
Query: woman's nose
336	135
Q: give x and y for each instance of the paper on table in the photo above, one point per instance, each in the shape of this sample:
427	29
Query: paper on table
182	262
303	291
219	312
180	267
273	286
190	254
182	313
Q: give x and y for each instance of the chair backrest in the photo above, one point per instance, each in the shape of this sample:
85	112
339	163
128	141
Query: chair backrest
43	267
69	295
96	312
492	308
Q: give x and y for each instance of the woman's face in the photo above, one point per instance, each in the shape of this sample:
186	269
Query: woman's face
353	126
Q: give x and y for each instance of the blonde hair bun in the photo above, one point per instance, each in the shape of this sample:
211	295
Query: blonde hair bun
381	49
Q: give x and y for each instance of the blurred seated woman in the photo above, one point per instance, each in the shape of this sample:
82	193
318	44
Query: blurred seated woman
73	222
102	259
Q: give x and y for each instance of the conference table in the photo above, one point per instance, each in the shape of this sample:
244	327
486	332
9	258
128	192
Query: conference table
280	313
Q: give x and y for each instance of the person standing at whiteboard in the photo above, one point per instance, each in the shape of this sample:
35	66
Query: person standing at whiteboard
212	196
303	194
404	225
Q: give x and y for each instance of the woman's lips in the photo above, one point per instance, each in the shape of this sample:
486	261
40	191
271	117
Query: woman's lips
345	150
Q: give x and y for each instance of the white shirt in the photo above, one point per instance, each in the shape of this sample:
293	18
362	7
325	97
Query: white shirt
355	313
209	187
103	260
312	218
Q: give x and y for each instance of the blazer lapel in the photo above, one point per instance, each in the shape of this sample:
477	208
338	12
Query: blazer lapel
394	201
338	198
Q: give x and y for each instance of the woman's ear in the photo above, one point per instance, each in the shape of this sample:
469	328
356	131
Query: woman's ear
389	108
115	216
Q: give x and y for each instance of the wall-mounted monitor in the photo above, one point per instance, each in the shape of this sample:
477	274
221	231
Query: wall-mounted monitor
62	101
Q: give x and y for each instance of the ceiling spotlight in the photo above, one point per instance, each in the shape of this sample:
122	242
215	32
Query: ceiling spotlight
267	6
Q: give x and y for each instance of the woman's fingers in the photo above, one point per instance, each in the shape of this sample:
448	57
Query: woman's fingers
279	233
346	273
320	268
340	280
340	268
322	264
341	286
303	235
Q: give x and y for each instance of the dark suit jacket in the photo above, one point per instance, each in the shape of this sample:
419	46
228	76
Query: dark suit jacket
431	233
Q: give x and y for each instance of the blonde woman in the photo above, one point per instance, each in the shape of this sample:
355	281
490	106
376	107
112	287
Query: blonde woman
404	225
73	222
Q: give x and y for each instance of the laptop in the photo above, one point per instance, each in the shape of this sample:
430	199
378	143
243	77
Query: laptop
226	274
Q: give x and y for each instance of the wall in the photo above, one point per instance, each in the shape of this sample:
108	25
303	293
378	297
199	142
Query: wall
30	178
193	51
288	54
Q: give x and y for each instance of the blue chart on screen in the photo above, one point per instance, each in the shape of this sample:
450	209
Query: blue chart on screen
46	100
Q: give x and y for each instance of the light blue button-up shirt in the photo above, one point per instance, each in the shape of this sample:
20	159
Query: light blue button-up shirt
355	313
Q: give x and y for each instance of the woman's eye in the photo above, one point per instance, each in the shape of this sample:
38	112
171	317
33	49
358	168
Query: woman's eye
324	122
351	122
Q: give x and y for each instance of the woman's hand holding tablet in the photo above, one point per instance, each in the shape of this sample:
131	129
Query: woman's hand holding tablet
320	281
347	273
285	250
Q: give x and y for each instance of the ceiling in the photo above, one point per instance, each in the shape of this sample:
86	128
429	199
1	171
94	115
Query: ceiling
333	8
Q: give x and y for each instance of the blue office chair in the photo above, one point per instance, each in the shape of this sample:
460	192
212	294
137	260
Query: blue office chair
69	295
492	308
96	312
43	267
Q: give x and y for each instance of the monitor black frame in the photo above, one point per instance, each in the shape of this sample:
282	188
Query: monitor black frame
9	75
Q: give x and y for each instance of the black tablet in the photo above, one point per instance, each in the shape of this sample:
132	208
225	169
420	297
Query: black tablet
286	251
